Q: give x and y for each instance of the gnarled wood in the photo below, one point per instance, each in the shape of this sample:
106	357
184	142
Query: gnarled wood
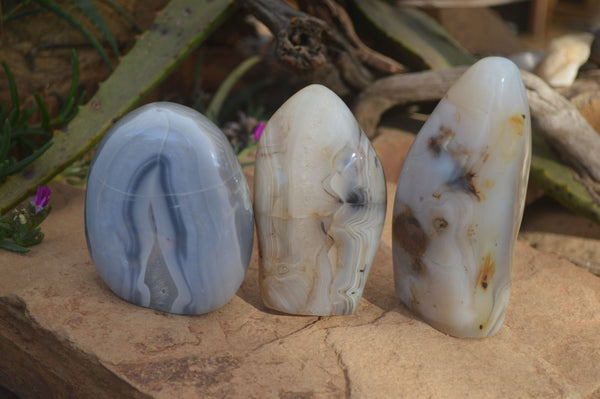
394	90
310	45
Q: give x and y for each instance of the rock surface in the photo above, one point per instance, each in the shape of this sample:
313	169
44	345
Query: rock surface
64	334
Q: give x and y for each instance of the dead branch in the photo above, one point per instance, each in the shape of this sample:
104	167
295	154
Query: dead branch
390	91
308	44
364	53
566	130
554	117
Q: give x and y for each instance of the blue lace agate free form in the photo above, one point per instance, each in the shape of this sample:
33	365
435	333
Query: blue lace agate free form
168	213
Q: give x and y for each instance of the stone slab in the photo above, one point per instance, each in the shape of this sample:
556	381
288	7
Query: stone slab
64	334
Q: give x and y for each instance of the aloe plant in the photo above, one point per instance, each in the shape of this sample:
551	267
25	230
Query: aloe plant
19	135
177	30
421	40
559	182
13	10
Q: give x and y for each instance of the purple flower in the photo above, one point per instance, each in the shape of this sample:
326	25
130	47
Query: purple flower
258	131
42	197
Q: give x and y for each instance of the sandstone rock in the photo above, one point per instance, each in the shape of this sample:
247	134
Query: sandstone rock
64	334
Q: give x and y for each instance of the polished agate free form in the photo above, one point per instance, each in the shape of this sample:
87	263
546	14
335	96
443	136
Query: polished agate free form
168	211
320	201
460	200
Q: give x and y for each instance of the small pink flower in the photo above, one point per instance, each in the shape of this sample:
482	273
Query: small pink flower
42	197
258	131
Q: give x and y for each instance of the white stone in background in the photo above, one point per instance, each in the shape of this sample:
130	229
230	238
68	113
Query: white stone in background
564	57
528	60
459	202
319	202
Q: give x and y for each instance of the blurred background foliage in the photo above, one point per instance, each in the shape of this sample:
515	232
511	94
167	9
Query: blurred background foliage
56	54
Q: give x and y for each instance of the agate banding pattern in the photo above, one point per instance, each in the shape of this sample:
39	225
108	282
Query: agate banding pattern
319	200
460	200
168	213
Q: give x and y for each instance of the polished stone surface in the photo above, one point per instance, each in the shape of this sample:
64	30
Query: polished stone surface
319	200
168	211
459	202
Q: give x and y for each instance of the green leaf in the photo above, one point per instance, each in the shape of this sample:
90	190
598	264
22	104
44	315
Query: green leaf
558	181
89	10
5	135
25	115
8	12
71	99
14	94
51	6
30	238
43	110
175	33
22	14
11	246
419	39
66	108
27	131
3	112
58	98
17	167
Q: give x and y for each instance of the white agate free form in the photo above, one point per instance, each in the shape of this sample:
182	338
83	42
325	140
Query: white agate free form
168	214
460	200
319	203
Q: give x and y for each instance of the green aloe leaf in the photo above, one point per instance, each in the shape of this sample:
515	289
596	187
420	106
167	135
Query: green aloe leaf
14	94
177	30
43	111
17	167
89	10
5	140
558	181
422	42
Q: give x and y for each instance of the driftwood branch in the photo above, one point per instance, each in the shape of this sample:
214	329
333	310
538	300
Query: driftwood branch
563	126
391	91
554	117
309	44
363	52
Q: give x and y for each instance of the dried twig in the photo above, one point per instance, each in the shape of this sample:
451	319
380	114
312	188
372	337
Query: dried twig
367	55
309	44
390	91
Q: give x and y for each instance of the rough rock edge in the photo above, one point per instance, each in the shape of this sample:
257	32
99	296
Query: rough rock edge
50	368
